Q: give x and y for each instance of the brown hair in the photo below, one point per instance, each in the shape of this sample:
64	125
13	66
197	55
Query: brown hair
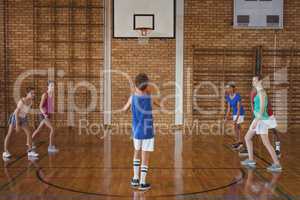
29	89
49	82
259	77
141	81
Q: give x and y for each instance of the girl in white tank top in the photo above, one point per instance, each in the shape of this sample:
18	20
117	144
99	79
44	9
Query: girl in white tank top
17	121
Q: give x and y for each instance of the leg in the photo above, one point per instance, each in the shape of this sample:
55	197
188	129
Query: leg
249	143
145	157
38	129
136	155
276	140
275	135
49	125
147	147
28	136
267	144
144	166
237	130
7	137
136	164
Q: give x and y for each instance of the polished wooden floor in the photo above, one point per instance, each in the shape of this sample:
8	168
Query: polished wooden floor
182	167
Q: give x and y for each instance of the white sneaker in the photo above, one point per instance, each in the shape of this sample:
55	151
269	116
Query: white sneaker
6	159
32	154
275	168
52	149
6	155
31	158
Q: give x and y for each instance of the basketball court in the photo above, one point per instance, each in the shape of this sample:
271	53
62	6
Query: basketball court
193	52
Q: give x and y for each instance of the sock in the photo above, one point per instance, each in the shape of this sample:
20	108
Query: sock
144	171
136	166
277	146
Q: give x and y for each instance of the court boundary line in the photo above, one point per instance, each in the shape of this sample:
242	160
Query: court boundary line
38	175
127	196
39	169
278	188
13	179
152	168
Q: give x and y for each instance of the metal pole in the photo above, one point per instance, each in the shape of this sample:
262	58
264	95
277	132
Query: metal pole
258	60
6	62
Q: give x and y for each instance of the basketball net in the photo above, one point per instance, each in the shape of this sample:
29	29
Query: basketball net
143	35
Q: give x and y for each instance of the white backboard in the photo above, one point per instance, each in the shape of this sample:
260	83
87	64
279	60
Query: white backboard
158	15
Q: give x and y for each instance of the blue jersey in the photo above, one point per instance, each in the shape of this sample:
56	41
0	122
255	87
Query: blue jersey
234	104
142	120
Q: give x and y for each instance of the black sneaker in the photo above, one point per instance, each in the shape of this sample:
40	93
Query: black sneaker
135	182
243	152
278	153
237	146
234	145
145	186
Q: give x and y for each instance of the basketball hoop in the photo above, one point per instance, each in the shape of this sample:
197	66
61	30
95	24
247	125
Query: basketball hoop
143	35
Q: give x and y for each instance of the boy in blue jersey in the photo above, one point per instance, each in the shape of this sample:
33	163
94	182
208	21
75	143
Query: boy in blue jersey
234	102
142	129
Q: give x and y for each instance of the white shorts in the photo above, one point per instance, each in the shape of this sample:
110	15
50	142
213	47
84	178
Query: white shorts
262	126
144	145
240	120
272	122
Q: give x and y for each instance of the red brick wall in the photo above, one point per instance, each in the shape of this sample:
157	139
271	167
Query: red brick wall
19	43
63	35
208	24
156	59
2	108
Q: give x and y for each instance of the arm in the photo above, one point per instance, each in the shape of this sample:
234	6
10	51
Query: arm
17	112
43	99
259	115
227	111
238	112
262	104
156	102
252	95
155	98
127	105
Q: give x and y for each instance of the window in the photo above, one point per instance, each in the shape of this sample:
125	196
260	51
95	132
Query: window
272	20
243	20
